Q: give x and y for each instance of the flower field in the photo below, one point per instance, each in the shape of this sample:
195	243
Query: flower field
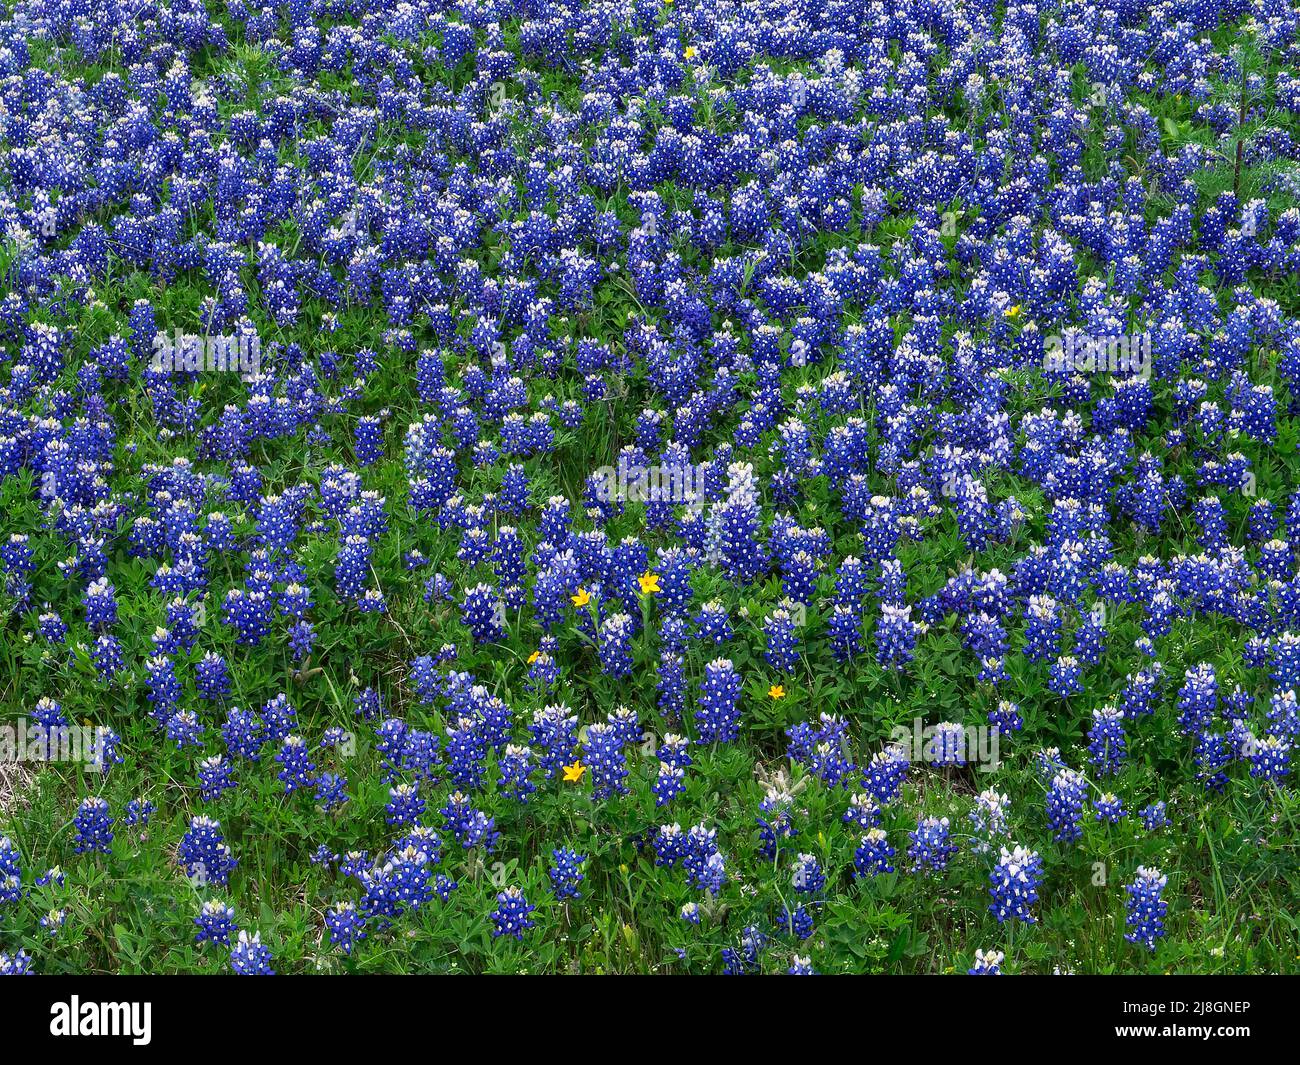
649	486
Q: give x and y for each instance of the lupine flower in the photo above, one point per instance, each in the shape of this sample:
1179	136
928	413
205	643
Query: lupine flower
1014	884
94	826
873	854
249	957
718	716
566	873
1107	743
216	923
345	924
1146	909
511	915
603	751
930	849
1110	809
1153	816
987	963
1065	799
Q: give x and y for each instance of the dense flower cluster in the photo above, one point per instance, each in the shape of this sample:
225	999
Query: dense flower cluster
455	445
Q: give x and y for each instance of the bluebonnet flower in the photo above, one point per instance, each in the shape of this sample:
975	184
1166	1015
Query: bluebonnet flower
216	775
50	727
404	804
863	812
1198	700
216	923
1110	809
712	622
184	730
94	826
698	852
845	632
797	922
886	773
1042	629
1270	758
543	673
930	849
106	656
807	877
668	784
1065	799
1065	677
947	746
718	715
516	766
100	604
671	684
212	678
346	925
782	650
566	874
106	744
510	918
204	854
1107	743
244	733
746	958
483	614
248	957
604	755
400	884
988	818
11	889
138	812
471	827
987	963
1005	717
616	645
554	729
1146	909
825	749
1014	883
896	634
1153	816
873	854
297	769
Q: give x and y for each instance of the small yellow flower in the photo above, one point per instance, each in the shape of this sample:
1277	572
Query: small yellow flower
581	599
691	51
776	691
649	583
534	657
573	773
1012	312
